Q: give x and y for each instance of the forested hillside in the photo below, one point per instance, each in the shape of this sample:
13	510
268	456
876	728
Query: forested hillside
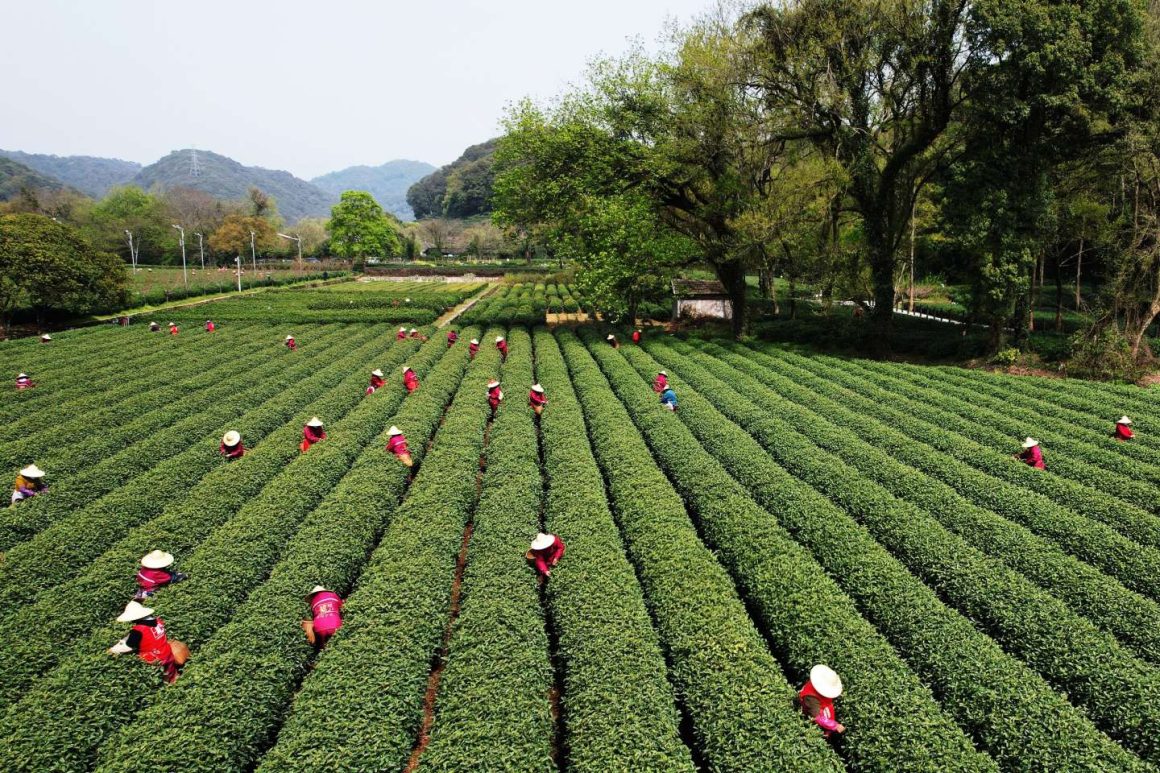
388	183
88	174
460	189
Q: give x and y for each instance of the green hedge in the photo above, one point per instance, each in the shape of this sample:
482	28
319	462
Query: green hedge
361	707
738	704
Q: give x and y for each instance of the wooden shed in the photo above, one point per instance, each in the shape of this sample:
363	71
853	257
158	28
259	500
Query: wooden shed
700	299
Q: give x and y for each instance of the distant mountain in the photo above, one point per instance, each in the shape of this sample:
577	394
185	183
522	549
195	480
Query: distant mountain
225	178
16	176
88	174
387	183
460	189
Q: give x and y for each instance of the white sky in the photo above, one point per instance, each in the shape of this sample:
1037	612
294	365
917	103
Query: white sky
309	87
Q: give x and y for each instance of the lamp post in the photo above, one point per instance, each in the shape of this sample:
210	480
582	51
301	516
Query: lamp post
253	254
295	239
184	271
200	248
238	260
132	252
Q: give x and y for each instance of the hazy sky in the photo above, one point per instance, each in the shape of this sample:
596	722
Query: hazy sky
309	87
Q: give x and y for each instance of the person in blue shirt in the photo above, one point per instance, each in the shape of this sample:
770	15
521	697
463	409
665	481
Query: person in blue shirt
669	399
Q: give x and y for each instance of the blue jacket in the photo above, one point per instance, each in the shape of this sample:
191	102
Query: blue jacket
669	397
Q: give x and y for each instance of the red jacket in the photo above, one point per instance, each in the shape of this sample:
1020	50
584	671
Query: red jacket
472	349
377	382
210	327
503	350
232	452
292	345
397	445
636	336
545	559
152	579
825	718
173	330
537	398
452	337
1033	457
400	335
310	436
1123	432
494	395
660	384
154	647
411	381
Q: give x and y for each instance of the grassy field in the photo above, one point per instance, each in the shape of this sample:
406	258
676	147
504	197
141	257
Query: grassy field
796	509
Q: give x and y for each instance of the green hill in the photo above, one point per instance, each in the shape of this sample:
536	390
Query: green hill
88	174
15	177
460	189
388	183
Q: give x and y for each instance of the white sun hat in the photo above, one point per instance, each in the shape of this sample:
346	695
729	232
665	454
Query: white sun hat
394	431
314	422
32	471
402	330
232	438
537	388
663	373
498	339
289	338
157	559
46	337
492	383
406	368
611	337
21	375
316	589
542	541
377	372
826	681
1124	420
1030	442
134	611
413	330
173	324
475	341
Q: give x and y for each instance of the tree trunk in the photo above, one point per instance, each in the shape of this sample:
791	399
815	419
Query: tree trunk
792	296
1136	335
1059	293
914	204
1078	266
732	276
1020	321
633	305
882	278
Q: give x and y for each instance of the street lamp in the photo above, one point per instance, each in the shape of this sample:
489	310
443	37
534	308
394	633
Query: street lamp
184	272
238	260
253	254
295	239
132	252
200	248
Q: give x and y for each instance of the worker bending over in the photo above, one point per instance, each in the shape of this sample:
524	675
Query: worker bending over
501	344
210	326
546	552
401	335
377	381
669	399
416	334
1123	429
326	616
494	396
148	639
23	381
46	339
817	698
154	327
536	399
397	445
410	380
636	336
155	573
29	483
291	344
661	382
173	329
473	348
1032	455
231	447
312	433
452	337
612	341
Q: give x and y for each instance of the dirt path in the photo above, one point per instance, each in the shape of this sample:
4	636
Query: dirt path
451	314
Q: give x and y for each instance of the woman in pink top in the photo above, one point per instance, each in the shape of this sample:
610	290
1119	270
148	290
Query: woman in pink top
326	616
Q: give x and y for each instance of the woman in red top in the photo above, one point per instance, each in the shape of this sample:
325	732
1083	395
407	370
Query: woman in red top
326	616
661	382
1123	429
231	447
148	639
402	334
397	445
817	698
473	348
1032	455
173	328
501	344
494	396
452	337
155	573
376	381
291	344
546	552
536	399
410	380
636	336
24	382
210	326
312	433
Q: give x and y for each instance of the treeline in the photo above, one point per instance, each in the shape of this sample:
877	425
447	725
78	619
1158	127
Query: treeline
853	144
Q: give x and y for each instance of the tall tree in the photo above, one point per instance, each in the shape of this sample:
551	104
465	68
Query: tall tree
232	237
359	229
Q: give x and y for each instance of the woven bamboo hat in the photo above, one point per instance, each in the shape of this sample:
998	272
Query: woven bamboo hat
157	559
289	338
537	388
377	372
498	339
542	541
315	589
1124	420
493	383
402	330
611	337
394	431
32	471
232	438
826	681
21	375
1030	442
406	368
134	611
46	337
314	422
475	341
